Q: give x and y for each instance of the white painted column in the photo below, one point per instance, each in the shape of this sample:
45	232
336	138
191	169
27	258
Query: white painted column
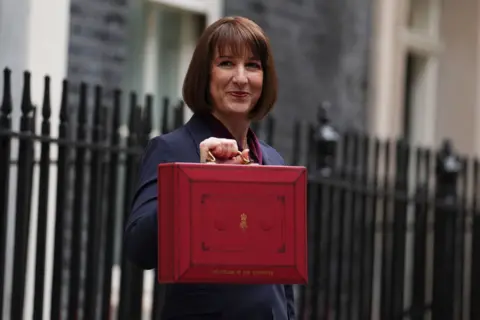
477	106
33	37
188	41
214	10
383	103
151	57
48	54
48	49
14	43
150	65
383	63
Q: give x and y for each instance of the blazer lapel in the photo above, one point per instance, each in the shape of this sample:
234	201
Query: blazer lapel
267	160
198	130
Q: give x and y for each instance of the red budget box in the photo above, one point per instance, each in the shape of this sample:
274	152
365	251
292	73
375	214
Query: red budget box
231	224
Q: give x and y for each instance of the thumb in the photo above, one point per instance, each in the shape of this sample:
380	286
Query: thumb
246	154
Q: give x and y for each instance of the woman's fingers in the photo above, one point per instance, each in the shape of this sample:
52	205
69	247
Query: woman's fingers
219	148
241	158
226	149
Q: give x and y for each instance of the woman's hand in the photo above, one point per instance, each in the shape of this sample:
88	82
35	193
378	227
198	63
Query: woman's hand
224	151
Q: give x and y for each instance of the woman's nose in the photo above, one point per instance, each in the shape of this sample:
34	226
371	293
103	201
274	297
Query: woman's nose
240	76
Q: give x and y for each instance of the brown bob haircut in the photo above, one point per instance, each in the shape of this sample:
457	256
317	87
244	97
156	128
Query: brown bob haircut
236	34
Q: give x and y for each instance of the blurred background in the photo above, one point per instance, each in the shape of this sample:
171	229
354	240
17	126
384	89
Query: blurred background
378	98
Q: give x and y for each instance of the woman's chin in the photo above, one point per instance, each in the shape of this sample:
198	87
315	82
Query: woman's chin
238	108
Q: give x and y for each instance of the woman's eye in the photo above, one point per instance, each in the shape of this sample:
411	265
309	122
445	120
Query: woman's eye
254	65
225	64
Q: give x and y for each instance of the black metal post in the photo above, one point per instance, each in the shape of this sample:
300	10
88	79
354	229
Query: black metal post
165	128
366	218
420	238
78	209
146	120
399	229
386	286
339	217
179	110
42	206
131	282
447	170
324	140
5	142
22	213
475	255
111	211
94	214
355	227
367	297
459	239
62	181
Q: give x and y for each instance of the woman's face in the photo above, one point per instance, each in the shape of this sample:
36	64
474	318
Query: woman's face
235	82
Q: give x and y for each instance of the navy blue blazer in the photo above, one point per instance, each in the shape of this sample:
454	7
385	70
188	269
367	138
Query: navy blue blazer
196	301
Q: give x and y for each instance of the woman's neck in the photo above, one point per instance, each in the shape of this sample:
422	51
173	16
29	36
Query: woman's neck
237	126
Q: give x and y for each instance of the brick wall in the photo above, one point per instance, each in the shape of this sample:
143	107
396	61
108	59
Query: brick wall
98	45
320	49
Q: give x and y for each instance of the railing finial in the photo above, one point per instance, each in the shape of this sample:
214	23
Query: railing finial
6	106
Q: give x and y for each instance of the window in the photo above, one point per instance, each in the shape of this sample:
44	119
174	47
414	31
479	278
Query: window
415	95
421	46
166	33
405	67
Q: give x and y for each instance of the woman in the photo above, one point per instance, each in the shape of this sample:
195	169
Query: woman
231	81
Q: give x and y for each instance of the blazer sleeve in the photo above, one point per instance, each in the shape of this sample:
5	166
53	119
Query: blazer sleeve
140	237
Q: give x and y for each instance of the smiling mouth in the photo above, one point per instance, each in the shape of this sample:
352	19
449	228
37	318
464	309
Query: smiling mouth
239	94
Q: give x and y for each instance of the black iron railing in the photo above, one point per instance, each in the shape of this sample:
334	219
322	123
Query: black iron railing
394	230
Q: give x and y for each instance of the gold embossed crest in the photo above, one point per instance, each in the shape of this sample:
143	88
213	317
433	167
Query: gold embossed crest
243	221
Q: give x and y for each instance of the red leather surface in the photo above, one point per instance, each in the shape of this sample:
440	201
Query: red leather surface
231	224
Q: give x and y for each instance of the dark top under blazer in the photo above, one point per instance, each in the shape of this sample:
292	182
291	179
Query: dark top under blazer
196	301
